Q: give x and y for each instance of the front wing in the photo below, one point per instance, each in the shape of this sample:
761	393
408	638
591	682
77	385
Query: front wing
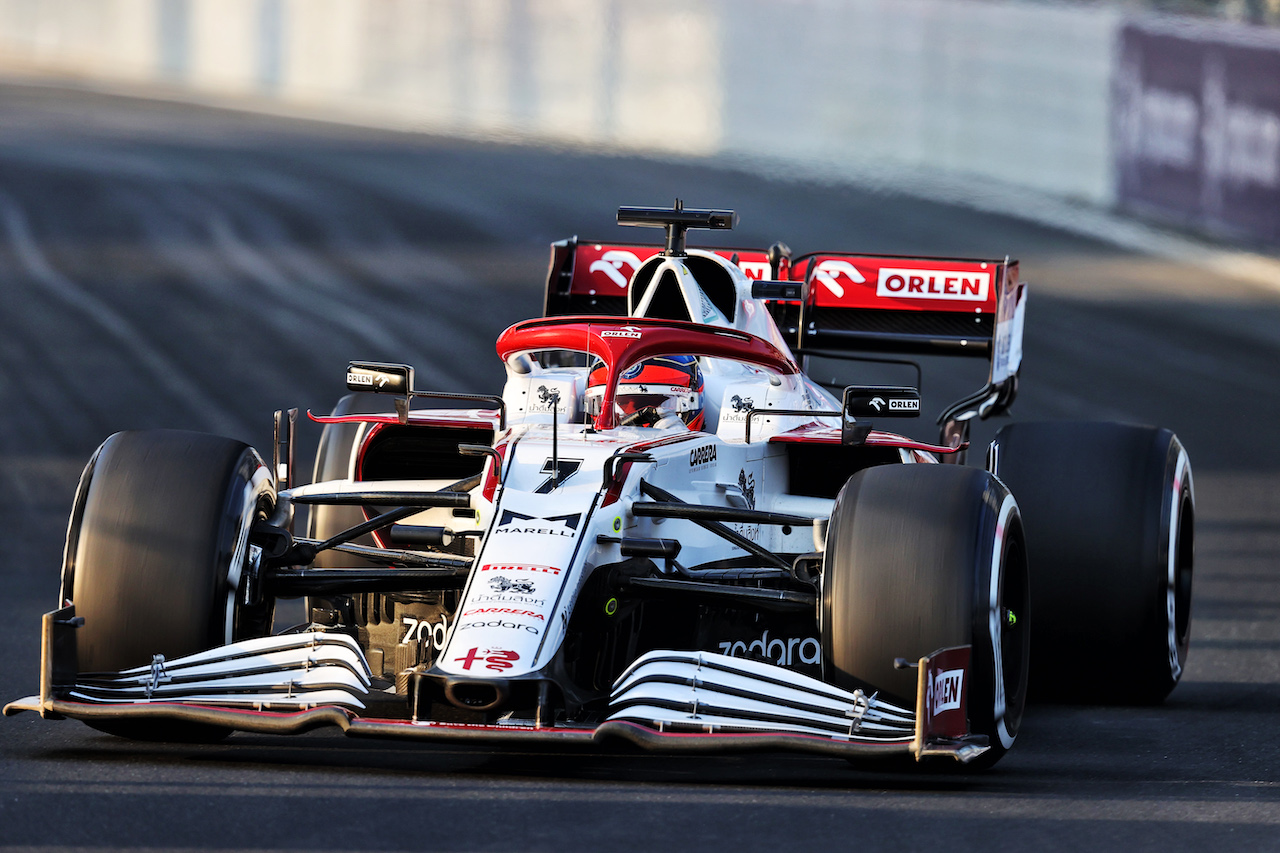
667	700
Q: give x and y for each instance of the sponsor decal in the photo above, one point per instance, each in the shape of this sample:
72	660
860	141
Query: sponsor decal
633	371
624	332
545	399
569	523
735	409
508	599
508	611
783	652
562	469
947	687
395	379
495	659
828	273
700	456
747	482
501	584
934	284
755	270
433	633
498	623
708	310
894	404
518	567
611	264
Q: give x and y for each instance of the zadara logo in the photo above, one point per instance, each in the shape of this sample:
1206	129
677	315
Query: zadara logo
434	633
498	623
783	652
518	567
494	659
947	687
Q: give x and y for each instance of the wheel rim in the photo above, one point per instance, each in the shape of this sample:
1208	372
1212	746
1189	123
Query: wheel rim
1008	598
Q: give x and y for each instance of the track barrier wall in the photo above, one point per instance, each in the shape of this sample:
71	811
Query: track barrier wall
1160	116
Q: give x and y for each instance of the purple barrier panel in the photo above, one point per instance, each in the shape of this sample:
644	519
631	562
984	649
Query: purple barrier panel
1196	125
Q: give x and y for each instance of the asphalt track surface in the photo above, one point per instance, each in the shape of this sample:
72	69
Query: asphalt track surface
170	266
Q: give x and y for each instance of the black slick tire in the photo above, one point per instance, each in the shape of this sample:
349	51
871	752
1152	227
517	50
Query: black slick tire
922	557
156	547
1109	511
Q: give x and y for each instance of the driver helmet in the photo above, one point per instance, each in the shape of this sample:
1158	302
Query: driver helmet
653	390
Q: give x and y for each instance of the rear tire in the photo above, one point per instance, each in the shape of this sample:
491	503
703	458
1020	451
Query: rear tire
156	547
1109	511
923	557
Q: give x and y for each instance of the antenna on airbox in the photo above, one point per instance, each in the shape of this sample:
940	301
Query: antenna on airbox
677	220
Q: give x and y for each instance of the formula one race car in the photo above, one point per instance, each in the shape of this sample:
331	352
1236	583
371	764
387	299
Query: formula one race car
662	532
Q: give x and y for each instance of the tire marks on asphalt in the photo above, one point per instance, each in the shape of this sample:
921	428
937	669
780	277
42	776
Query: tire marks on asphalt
93	312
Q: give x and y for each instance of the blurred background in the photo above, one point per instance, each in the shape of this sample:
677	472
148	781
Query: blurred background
1168	109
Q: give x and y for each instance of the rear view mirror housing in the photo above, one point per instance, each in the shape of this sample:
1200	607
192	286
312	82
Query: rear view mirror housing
380	378
881	401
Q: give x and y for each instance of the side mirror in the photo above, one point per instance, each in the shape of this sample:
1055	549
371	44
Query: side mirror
882	401
379	378
789	290
875	401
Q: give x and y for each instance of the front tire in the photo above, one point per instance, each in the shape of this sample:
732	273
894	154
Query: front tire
156	548
923	557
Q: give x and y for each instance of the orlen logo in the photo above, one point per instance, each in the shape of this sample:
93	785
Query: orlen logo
947	686
902	405
360	379
624	332
828	271
704	455
934	284
611	263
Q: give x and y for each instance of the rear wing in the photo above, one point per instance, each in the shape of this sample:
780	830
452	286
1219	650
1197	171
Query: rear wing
916	306
848	304
591	278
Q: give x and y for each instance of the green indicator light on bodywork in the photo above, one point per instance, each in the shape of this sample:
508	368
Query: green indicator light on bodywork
1010	618
611	607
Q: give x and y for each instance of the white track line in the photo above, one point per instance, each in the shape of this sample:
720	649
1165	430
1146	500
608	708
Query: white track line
165	372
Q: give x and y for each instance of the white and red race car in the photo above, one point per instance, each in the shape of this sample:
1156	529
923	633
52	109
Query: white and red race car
661	531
